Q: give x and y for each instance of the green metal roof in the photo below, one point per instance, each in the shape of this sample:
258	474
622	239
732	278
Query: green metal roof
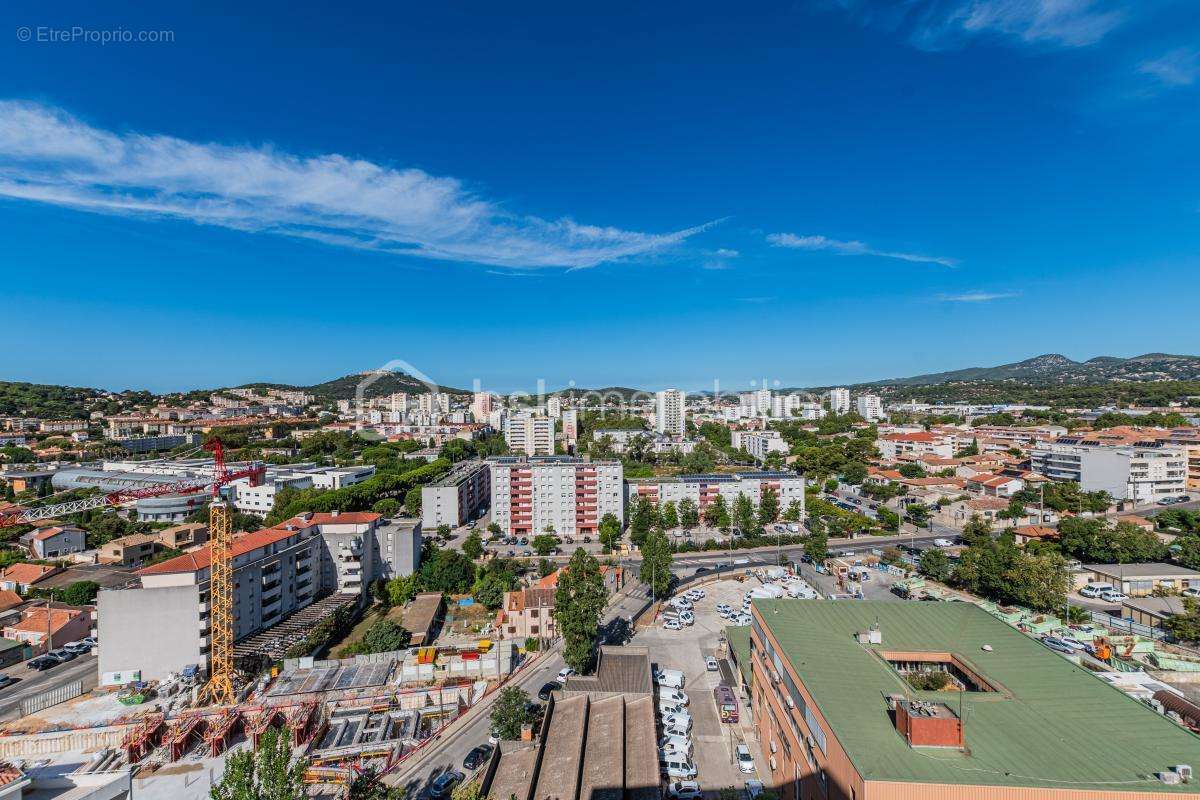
1053	725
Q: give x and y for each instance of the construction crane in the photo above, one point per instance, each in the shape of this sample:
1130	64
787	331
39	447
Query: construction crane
219	688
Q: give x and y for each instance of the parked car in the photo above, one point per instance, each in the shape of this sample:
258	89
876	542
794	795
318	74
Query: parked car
41	663
1191	591
668	695
444	784
477	757
745	761
943	543
548	688
78	648
668	677
565	673
1113	596
5	680
684	790
676	767
1094	589
1055	643
667	708
62	655
672	625
677	719
710	664
754	788
681	744
723	608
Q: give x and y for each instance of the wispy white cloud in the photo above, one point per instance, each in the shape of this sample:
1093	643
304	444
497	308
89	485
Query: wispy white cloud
1180	67
943	24
758	301
976	297
719	259
49	156
851	248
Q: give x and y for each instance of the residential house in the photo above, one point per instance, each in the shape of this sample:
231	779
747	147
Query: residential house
1024	534
19	577
45	629
527	614
992	485
55	541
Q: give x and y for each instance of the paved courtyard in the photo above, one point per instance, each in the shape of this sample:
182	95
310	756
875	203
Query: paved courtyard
685	650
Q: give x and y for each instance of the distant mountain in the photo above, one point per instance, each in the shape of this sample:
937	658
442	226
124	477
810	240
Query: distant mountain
346	387
1055	369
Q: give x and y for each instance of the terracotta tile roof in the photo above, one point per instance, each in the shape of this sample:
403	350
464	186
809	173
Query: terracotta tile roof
200	559
342	518
34	621
27	574
987	504
49	533
1036	532
9	599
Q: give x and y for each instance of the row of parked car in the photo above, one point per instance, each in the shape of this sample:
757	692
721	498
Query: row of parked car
680	610
68	652
675	751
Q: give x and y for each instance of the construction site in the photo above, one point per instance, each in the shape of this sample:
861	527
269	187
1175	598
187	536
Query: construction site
165	714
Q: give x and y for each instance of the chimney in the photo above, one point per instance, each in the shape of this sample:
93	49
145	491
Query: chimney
527	732
334	513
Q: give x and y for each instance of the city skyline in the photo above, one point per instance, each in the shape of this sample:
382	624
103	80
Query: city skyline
475	194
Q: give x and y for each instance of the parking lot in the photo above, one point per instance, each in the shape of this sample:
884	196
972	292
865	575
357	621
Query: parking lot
713	742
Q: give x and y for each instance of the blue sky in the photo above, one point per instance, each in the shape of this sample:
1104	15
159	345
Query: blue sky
642	194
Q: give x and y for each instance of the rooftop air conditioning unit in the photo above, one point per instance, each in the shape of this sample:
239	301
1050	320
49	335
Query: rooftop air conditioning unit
1185	772
1170	778
790	702
773	747
772	761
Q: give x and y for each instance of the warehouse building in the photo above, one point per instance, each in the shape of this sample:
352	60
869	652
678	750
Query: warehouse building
838	714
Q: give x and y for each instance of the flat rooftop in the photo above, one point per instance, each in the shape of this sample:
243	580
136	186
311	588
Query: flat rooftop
1049	724
1154	569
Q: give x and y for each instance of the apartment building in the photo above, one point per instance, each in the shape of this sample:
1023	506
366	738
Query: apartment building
566	493
1189	440
482	406
54	541
894	446
529	433
164	625
848	725
703	489
839	400
570	425
458	498
670	408
869	407
755	404
1143	472
527	614
759	443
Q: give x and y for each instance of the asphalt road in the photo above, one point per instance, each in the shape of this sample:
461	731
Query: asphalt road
30	682
448	754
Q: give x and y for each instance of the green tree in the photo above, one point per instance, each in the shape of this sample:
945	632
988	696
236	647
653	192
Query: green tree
269	773
382	637
443	531
743	514
387	507
545	567
641	519
716	514
854	473
889	520
80	593
689	516
449	571
1186	626
494	529
830	486
471	790
510	712
912	471
472	546
768	507
412	501
655	570
793	512
935	564
401	590
609	531
669	515
578	604
1189	551
493	580
367	785
544	543
917	514
816	547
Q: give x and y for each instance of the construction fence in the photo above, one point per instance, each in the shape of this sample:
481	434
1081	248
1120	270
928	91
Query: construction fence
51	697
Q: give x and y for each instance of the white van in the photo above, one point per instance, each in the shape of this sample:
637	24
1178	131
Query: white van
677	768
669	677
1095	588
